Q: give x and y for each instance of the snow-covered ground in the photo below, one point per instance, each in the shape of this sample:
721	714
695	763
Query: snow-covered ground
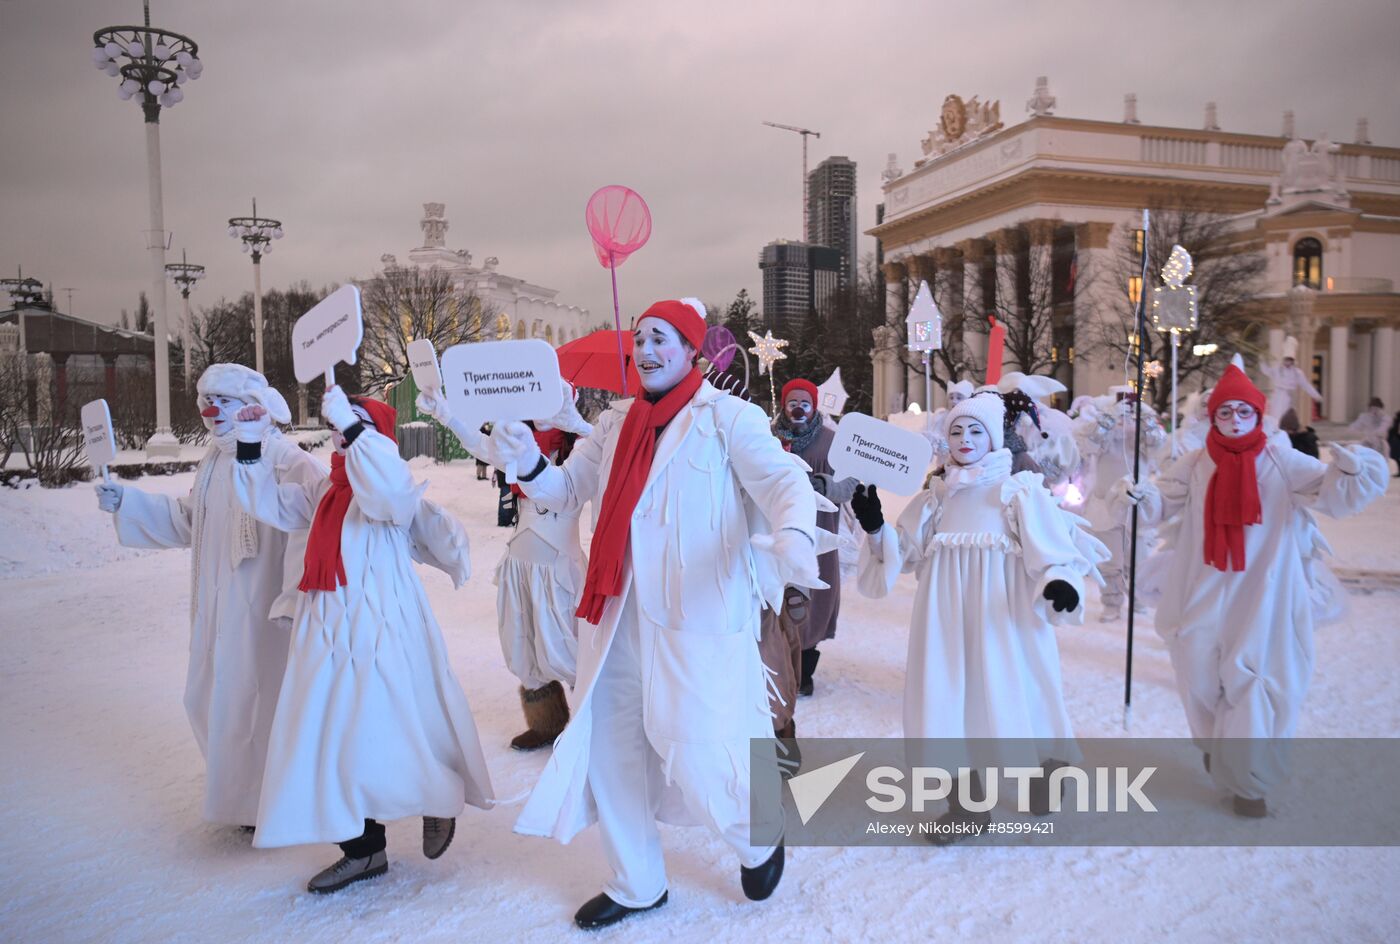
101	783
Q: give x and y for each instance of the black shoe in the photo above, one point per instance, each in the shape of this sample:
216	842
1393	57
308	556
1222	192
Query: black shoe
601	911
760	881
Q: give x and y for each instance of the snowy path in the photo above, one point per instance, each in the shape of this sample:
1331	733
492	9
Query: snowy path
102	783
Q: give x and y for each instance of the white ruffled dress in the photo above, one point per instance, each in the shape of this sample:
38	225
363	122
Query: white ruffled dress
983	659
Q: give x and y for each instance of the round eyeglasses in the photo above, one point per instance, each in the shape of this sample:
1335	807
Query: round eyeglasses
1244	411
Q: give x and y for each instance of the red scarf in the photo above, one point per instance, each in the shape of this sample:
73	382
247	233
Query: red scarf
324	567
325	570
636	447
1232	498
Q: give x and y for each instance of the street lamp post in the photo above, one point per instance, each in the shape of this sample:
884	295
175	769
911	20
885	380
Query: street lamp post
256	233
185	274
154	65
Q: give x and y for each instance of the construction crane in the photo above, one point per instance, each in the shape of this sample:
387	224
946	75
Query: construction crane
804	132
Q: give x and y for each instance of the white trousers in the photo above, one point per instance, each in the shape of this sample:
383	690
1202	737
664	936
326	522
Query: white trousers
626	778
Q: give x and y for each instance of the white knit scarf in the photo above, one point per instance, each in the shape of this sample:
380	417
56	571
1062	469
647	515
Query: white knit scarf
993	467
244	530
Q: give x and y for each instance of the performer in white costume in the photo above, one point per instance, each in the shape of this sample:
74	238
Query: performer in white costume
1237	614
1372	426
1055	450
670	683
371	724
999	564
537	581
243	578
1105	439
1287	378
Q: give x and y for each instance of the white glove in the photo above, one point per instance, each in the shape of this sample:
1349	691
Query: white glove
1136	493
335	407
251	422
1345	460
109	496
568	418
434	403
514	442
797	555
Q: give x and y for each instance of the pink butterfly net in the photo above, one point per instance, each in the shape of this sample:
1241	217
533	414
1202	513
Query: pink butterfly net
619	222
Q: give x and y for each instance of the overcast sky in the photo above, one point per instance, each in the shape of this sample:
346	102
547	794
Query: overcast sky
344	116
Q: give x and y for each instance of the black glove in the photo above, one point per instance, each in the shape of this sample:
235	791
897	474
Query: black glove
866	504
1061	595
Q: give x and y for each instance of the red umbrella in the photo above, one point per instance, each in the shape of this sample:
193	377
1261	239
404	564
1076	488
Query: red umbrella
591	361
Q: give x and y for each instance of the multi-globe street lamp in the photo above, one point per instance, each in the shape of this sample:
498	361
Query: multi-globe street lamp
22	289
185	275
256	233
154	66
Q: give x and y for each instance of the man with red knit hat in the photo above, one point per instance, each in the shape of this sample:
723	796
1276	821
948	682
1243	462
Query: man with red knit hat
1236	612
671	687
371	724
802	432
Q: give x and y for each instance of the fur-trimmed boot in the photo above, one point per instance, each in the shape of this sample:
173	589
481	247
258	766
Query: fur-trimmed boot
546	714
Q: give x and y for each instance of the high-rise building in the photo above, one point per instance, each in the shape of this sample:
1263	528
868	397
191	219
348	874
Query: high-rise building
831	212
798	279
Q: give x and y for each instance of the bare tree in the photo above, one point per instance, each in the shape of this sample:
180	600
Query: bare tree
1226	276
406	303
14	414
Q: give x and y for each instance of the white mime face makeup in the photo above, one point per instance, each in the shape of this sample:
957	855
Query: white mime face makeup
661	356
968	440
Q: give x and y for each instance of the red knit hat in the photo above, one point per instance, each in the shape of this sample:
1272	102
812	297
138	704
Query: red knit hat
681	316
1234	385
381	414
797	383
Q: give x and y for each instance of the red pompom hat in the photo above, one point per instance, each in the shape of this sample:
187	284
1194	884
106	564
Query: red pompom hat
797	383
680	315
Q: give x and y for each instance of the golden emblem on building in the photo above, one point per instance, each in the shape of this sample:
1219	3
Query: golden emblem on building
954	120
959	123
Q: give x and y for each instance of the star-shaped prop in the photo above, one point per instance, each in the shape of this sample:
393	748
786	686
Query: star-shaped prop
767	349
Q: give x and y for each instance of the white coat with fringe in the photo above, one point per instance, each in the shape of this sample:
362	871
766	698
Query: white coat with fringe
698	578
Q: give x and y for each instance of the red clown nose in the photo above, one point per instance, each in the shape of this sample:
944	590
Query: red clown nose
209	412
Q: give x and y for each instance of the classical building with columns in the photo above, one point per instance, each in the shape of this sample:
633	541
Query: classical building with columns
521	309
987	206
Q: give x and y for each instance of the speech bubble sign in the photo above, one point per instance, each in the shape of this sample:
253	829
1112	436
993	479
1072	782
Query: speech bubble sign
880	453
327	335
498	381
422	358
501	381
97	435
